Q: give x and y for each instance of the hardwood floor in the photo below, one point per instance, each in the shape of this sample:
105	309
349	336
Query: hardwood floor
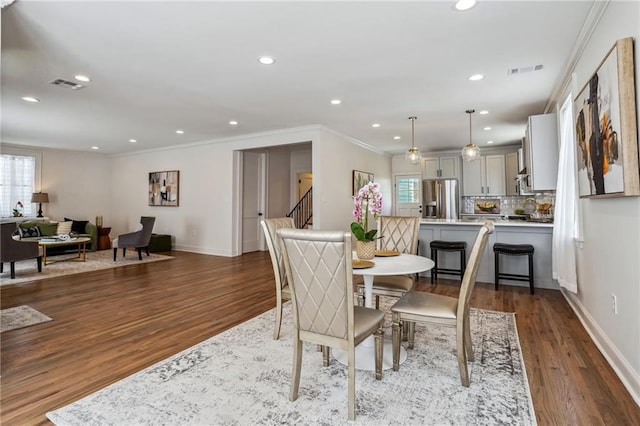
109	324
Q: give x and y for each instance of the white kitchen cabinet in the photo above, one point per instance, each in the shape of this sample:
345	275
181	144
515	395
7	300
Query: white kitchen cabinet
445	167
484	176
541	151
511	173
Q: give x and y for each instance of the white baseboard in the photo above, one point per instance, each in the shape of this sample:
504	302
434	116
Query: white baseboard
201	250
630	379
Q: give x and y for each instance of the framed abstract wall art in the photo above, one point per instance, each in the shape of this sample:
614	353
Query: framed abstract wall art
606	129
360	179
164	188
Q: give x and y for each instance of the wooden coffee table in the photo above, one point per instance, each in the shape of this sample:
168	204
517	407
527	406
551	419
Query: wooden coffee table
81	256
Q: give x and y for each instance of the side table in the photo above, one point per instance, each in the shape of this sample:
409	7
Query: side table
104	242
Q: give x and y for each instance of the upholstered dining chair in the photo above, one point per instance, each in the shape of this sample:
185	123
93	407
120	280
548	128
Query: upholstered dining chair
14	250
320	276
418	306
399	233
270	226
138	239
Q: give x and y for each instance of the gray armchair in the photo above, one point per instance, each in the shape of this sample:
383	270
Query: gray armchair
14	250
138	239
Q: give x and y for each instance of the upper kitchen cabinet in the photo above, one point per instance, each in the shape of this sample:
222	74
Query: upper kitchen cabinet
541	152
445	167
511	173
484	176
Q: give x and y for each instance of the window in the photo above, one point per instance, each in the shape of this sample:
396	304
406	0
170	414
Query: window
17	183
408	190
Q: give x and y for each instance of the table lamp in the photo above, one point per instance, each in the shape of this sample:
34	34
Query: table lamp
40	197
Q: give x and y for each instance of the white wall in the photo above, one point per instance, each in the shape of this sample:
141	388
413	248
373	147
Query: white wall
279	182
334	159
609	262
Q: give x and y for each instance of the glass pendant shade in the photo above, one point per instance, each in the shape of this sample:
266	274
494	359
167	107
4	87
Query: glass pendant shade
413	155
471	151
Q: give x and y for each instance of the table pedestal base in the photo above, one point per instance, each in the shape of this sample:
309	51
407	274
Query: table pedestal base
366	356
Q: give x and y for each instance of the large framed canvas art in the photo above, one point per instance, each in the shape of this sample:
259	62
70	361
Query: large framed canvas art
164	188
360	179
606	128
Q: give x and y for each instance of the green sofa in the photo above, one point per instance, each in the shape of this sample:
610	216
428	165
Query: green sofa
48	229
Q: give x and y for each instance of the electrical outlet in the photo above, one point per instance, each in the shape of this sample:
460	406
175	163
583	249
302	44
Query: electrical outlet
614	303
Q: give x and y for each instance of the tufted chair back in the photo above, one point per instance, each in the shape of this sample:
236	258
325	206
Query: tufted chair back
318	264
399	233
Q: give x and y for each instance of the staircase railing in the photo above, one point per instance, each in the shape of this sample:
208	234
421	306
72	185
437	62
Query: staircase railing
303	211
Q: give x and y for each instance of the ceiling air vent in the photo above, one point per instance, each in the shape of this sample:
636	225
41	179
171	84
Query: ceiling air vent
68	84
522	70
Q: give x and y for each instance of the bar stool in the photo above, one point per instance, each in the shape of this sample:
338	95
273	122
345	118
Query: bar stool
437	245
513	250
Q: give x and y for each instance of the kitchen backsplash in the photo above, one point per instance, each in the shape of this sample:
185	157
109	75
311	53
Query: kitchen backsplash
508	204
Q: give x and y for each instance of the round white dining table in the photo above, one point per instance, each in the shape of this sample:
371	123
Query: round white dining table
403	264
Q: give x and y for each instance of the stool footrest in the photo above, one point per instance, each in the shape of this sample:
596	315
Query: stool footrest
515	277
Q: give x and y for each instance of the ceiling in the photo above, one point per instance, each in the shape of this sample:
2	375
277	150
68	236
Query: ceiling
156	67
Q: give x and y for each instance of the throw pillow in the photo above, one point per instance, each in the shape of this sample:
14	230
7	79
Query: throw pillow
64	227
77	225
48	229
29	232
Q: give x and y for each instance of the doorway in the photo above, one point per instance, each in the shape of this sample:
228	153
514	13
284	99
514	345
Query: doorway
253	200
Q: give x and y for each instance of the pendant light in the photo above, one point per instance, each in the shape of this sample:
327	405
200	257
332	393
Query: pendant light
413	155
470	151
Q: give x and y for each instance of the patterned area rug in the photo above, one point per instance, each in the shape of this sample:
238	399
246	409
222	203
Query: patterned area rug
27	270
19	317
242	376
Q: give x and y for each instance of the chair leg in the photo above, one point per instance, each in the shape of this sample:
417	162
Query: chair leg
297	363
377	302
463	264
462	354
12	266
434	270
39	260
326	352
146	249
467	339
531	273
139	253
379	344
395	341
276	329
352	382
496	267
1	267
115	253
405	331
124	251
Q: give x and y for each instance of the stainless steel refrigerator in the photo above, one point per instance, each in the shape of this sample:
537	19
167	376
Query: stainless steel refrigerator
440	199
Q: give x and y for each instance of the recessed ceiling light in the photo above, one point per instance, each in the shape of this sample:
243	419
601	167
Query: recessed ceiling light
396	137
30	99
483	112
133	140
489	142
266	60
487	128
336	101
95	147
233	123
462	5
180	132
375	125
476	77
81	77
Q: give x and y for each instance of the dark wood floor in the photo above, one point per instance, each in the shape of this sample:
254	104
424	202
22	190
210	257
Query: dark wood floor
109	324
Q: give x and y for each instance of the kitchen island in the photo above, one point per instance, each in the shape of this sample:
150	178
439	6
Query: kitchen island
506	231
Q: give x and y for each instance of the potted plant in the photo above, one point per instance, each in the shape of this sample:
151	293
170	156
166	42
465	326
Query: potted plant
367	202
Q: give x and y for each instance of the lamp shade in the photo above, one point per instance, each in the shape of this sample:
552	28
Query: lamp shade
40	197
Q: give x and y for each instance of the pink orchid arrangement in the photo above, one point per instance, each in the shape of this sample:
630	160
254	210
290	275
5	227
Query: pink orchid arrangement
368	201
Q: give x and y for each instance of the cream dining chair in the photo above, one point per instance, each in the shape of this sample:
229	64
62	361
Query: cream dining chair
418	306
318	266
399	233
270	226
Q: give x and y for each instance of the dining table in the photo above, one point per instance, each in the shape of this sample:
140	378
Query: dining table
400	264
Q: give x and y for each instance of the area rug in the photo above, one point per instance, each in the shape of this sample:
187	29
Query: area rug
242	377
27	270
19	317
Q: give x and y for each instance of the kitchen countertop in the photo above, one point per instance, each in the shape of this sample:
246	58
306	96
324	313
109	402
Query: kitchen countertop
496	222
